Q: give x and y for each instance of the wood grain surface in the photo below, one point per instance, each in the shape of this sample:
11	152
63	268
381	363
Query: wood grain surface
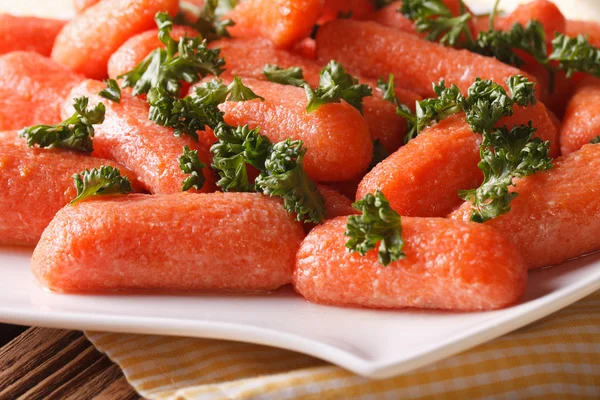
40	363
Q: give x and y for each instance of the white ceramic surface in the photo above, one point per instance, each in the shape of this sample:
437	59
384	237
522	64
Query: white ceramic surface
372	343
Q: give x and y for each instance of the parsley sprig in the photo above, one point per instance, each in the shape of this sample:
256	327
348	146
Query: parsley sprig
190	164
209	23
378	223
74	133
187	60
505	155
102	181
575	55
335	84
112	91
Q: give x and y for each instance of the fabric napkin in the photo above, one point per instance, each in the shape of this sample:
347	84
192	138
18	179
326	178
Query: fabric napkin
557	357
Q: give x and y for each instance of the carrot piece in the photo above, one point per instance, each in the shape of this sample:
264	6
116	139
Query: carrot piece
422	179
32	89
414	62
146	242
555	216
336	136
581	122
543	11
28	33
336	204
346	188
82	5
391	17
449	265
306	48
247	58
591	29
36	183
333	8
283	22
137	47
151	151
86	42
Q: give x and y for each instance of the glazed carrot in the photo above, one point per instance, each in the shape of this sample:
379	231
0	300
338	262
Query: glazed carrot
414	62
555	216
283	22
346	188
136	48
422	178
336	136
36	183
449	265
32	89
581	122
81	5
591	29
28	33
86	42
226	241
151	151
306	48
389	16
336	204
358	9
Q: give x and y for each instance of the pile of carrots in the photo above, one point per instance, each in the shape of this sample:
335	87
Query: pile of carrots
162	238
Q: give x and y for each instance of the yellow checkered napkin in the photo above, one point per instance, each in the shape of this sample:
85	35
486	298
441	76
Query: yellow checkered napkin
555	358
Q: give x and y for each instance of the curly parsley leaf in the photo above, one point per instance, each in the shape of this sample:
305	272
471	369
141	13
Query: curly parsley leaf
112	91
389	94
190	164
505	155
74	133
238	92
336	85
188	60
210	23
284	177
595	140
235	148
378	223
575	55
290	76
101	181
435	19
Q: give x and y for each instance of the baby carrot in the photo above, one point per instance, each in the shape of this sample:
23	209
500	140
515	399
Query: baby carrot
336	204
136	48
306	48
339	146
283	22
35	183
86	42
151	151
591	29
226	241
422	178
357	9
81	5
555	216
581	122
449	265
28	33
32	89
544	11
414	62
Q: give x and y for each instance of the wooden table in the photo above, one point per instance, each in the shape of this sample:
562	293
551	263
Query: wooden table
41	363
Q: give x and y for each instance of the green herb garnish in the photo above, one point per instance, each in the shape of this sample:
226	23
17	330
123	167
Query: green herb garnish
190	164
102	181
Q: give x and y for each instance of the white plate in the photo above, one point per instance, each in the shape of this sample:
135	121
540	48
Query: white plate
372	343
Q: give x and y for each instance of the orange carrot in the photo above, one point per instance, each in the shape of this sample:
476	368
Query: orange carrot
336	204
36	183
591	29
449	265
581	122
28	33
414	62
357	8
283	22
336	136
144	242
86	42
81	5
151	151
555	216
136	48
422	179
544	11
32	89
306	48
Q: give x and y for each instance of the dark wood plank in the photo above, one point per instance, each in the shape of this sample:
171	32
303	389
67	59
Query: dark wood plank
9	332
56	364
